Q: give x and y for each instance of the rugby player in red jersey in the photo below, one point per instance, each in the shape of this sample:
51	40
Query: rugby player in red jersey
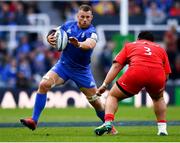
148	68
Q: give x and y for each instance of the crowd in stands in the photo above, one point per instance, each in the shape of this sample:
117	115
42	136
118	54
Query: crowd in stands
172	45
17	12
156	11
24	66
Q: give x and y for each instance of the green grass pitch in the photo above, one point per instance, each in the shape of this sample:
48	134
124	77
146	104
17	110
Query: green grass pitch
86	134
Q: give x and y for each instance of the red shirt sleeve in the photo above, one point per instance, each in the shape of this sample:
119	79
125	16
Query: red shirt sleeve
167	67
121	57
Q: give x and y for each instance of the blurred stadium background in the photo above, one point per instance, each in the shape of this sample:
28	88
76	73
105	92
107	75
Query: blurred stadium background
25	57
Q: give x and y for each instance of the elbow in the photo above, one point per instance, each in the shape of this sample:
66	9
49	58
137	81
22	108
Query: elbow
117	66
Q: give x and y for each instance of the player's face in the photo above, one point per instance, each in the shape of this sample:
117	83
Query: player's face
84	18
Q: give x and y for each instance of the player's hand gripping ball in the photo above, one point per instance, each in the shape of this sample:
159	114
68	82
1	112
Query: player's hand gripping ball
62	39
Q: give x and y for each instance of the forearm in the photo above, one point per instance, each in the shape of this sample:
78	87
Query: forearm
114	70
88	44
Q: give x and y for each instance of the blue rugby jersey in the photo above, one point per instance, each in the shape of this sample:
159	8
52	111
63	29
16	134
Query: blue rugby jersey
75	57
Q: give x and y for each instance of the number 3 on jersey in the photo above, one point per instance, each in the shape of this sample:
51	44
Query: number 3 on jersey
148	51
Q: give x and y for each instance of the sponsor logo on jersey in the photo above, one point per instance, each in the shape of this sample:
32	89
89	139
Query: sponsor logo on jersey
69	31
83	34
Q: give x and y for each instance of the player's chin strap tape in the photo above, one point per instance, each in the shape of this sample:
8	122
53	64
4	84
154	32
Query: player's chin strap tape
46	77
93	98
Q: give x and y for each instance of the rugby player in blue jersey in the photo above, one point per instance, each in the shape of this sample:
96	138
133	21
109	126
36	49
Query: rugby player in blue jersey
73	64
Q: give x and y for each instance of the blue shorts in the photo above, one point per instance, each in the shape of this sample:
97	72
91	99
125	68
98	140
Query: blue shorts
82	77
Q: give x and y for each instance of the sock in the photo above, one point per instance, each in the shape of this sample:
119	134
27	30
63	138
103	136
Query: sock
100	114
161	121
162	125
109	117
39	106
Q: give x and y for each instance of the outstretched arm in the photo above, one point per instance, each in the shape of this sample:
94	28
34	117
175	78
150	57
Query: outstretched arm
114	70
89	43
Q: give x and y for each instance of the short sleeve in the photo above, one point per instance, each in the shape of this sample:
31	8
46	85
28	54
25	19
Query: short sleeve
121	57
91	33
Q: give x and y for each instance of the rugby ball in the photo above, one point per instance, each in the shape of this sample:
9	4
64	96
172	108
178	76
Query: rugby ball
61	39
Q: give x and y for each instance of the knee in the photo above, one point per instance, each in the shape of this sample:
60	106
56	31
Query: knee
93	98
44	86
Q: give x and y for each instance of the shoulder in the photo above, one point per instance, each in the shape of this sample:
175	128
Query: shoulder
155	44
91	33
129	44
158	47
69	23
161	49
91	29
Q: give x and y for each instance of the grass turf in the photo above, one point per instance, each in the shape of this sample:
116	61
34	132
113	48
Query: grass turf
86	134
